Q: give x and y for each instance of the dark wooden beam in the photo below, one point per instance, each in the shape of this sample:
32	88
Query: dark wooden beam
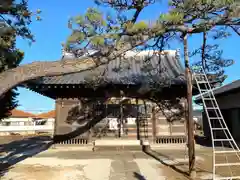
154	132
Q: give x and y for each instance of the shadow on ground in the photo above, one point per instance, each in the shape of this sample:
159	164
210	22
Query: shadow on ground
139	176
16	151
203	141
168	161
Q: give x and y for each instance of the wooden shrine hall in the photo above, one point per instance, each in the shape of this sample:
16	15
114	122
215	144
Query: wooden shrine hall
118	100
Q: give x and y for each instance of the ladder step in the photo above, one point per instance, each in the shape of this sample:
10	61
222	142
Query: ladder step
212	108
221	152
202	82
217	140
219	128
208	98
216	118
227	164
227	178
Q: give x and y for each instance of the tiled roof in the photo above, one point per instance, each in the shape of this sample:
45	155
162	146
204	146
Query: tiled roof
130	70
19	113
50	114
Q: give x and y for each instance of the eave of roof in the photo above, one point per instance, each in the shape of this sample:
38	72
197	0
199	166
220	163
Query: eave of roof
235	85
132	72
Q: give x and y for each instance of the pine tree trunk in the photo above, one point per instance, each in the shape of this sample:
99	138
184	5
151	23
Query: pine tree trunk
191	142
13	77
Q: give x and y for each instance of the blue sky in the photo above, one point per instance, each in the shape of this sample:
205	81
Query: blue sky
52	30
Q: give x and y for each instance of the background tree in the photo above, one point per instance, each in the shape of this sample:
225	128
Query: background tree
18	17
14	20
10	57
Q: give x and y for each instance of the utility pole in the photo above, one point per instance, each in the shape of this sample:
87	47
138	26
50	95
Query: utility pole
190	123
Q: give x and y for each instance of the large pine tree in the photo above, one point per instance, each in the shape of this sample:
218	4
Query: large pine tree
114	34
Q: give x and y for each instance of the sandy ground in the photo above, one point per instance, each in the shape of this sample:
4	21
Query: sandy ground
75	164
33	160
71	165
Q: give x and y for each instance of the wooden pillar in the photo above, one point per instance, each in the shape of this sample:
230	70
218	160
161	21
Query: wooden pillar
57	113
145	121
55	120
137	121
170	128
121	119
154	124
90	131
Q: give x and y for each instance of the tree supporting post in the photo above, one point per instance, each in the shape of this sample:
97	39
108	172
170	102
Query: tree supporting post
190	123
190	126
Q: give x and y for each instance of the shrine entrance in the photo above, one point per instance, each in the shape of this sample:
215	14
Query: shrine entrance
124	118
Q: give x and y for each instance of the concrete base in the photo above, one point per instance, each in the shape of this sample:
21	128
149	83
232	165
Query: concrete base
117	148
70	148
145	145
168	146
117	144
173	146
124	144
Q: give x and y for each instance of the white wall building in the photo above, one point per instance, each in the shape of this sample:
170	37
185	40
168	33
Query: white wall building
24	123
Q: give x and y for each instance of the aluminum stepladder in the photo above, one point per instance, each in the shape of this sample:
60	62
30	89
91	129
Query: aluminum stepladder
217	125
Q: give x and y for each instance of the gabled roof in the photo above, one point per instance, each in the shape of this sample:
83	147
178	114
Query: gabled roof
50	114
15	113
133	69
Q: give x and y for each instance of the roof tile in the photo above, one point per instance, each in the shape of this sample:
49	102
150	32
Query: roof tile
50	114
19	113
130	70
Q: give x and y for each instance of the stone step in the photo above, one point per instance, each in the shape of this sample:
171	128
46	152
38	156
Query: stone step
118	145
140	131
118	148
140	128
148	124
116	142
135	133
